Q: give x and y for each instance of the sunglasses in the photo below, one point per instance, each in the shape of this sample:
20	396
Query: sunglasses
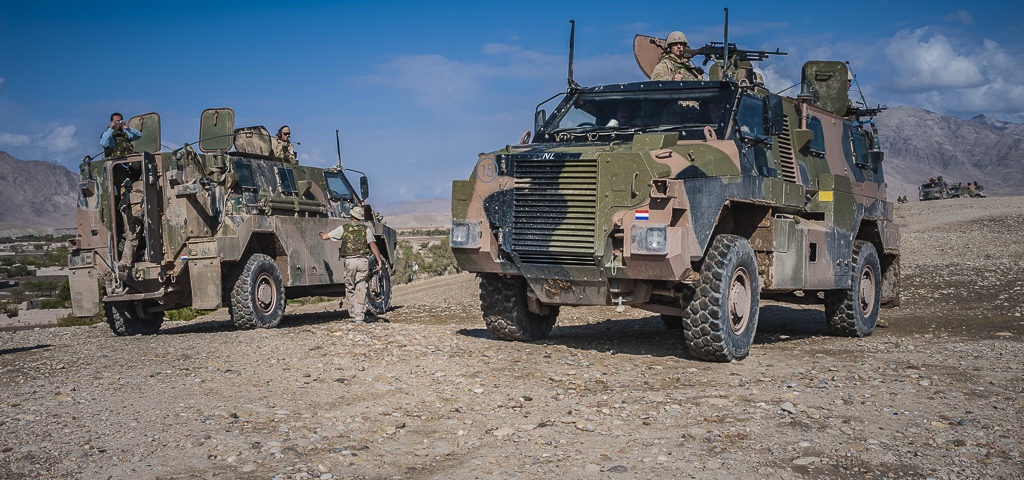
286	134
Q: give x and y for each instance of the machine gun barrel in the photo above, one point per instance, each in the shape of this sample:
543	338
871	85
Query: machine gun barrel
714	50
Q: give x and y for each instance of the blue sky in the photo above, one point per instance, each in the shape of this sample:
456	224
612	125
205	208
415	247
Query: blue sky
417	89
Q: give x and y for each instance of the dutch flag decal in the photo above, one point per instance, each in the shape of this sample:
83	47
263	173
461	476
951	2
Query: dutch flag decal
642	215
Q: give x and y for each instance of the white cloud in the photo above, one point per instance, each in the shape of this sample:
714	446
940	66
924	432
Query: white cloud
777	81
14	139
962	16
922	60
60	138
434	80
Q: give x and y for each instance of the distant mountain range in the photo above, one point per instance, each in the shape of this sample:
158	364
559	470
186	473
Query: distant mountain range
36	196
919	144
39	196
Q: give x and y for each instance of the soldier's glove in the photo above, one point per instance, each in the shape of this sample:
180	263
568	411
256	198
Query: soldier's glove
700	71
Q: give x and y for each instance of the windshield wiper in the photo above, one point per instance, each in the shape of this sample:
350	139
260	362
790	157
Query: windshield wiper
660	128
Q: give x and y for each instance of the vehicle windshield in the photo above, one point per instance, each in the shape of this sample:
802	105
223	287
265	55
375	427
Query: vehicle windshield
644	112
339	187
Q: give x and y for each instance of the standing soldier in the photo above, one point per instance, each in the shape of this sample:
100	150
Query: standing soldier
117	139
281	145
133	218
673	66
357	243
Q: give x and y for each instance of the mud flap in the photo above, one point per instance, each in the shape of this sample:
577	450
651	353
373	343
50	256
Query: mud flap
204	274
85	291
890	281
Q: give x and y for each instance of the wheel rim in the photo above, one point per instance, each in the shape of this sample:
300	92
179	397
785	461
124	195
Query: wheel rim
266	294
739	300
867	291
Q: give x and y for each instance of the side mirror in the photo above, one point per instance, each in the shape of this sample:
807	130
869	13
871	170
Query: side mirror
875	158
538	120
364	187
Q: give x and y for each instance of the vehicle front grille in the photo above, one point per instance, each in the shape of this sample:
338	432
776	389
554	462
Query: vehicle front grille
555	205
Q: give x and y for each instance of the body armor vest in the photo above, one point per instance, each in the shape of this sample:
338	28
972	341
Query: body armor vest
353	240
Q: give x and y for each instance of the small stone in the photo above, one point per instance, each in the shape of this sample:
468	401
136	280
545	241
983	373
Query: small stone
806	460
478	390
617	469
804	444
1004	334
592	468
504	432
788	407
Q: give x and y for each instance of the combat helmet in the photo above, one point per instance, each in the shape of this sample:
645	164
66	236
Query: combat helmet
676	37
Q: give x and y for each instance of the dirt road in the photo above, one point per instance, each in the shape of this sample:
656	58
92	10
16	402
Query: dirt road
940	393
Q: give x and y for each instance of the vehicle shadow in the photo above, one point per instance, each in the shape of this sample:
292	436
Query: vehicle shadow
649	335
9	351
289	321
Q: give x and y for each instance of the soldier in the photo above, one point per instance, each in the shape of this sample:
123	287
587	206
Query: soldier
117	139
673	65
357	243
133	218
281	145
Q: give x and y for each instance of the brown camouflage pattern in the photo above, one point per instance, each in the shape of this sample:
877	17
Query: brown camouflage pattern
203	213
801	203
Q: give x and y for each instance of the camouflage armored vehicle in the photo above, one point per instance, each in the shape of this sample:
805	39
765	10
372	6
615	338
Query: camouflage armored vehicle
933	189
227	225
691	199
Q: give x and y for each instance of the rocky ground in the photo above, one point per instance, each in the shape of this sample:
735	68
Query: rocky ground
938	394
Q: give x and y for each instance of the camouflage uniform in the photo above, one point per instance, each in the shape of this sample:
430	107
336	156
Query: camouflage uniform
133	217
122	145
355	237
283	149
671	65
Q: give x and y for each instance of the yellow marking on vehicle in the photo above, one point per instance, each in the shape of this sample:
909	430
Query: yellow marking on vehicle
825	196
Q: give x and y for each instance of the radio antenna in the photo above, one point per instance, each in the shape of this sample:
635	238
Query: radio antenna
337	138
572	37
725	48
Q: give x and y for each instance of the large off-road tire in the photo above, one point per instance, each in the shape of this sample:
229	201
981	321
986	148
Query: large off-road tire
257	298
853	312
503	303
128	318
378	288
720	322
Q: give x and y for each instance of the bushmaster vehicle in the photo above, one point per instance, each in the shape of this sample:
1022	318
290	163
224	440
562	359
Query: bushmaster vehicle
692	199
210	228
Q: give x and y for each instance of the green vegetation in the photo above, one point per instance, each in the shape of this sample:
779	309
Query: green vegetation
70	320
433	261
430	232
184	314
37	238
9	308
18	265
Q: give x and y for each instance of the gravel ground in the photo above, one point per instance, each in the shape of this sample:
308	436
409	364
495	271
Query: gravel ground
610	395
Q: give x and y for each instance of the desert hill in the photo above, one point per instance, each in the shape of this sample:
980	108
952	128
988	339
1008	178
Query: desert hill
919	144
35	194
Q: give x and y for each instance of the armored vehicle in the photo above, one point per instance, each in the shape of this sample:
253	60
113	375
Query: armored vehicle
692	199
933	189
227	225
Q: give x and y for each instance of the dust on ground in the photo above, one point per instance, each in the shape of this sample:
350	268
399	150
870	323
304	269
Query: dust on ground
609	395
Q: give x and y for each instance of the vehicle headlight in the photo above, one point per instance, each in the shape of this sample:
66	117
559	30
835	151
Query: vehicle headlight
656	238
460	233
649	240
465	235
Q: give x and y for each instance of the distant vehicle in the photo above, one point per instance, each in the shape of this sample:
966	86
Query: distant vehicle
692	199
938	189
219	227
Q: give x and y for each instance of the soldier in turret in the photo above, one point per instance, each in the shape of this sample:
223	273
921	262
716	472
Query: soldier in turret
281	145
673	65
133	218
357	243
117	139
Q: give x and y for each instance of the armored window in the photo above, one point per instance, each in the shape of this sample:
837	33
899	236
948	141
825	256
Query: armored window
287	179
243	173
818	142
339	187
860	151
750	118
